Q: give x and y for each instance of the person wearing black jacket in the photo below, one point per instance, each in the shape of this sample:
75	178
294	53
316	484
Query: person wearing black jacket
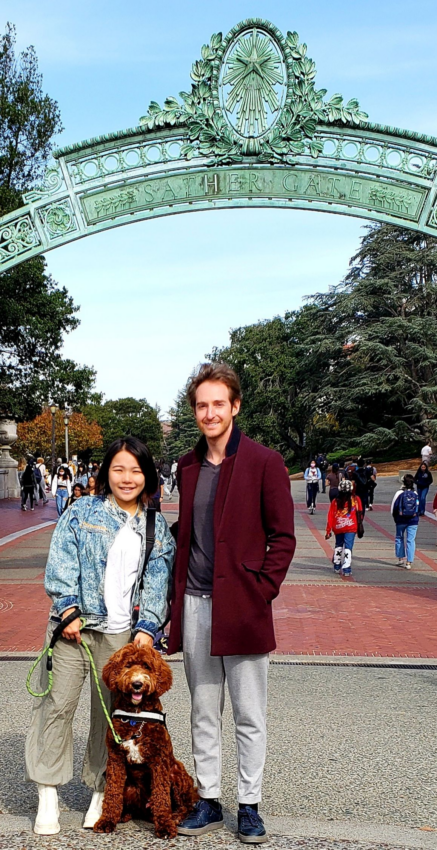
28	485
361	483
423	480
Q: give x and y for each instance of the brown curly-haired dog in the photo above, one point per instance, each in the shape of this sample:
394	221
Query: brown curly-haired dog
143	777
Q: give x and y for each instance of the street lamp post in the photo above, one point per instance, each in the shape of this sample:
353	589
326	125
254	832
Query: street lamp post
53	409
67	415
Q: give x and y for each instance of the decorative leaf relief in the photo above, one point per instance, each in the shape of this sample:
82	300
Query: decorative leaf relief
292	135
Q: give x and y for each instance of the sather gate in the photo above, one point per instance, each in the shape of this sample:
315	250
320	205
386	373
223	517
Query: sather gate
254	131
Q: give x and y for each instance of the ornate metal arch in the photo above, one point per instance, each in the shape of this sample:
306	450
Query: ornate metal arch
253	132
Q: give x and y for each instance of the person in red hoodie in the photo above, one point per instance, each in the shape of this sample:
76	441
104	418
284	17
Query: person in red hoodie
345	519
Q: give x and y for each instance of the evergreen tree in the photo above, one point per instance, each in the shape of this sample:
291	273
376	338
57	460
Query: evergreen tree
184	432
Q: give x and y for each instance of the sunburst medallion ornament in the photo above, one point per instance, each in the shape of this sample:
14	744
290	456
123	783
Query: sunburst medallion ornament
253	83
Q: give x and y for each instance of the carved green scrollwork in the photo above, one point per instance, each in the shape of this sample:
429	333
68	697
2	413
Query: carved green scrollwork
53	182
254	61
16	238
57	218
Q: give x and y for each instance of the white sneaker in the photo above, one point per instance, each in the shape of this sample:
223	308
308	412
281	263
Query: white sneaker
47	819
408	565
95	810
400	563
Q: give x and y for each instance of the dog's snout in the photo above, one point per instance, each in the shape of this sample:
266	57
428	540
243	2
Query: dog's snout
137	685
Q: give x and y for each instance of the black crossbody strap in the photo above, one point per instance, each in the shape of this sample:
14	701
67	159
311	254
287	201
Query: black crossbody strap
150	541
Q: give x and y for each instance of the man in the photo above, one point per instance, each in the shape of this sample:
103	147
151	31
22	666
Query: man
323	465
235	544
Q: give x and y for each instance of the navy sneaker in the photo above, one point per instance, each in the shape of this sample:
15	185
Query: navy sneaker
337	568
347	571
251	829
203	818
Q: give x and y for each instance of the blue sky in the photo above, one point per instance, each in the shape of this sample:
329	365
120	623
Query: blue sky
155	297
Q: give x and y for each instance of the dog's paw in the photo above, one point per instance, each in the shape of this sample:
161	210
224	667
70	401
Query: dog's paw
104	825
166	830
126	818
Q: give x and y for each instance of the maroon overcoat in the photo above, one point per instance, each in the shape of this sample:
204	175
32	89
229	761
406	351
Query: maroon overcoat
254	545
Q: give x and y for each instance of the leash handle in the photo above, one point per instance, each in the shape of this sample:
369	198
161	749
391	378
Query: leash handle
49	652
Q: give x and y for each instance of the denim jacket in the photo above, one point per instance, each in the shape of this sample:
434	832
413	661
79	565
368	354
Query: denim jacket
75	571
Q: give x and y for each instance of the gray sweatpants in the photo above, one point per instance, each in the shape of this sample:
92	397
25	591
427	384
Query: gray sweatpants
49	743
247	683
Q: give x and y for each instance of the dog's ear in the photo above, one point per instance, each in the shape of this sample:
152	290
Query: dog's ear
111	670
164	676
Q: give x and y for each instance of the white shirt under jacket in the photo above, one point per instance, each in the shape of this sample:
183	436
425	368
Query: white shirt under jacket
121	572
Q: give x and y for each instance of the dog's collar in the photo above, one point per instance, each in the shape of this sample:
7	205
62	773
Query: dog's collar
140	716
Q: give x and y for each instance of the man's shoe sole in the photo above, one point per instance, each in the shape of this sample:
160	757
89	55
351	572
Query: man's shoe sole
253	839
201	830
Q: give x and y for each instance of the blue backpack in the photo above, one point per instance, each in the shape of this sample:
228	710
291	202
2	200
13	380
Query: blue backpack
408	504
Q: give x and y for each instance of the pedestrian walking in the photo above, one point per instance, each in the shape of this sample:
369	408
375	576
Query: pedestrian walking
426	454
333	478
91	486
323	465
405	512
345	519
40	477
78	492
95	570
82	474
235	543
361	481
423	480
61	488
174	469
371	474
312	477
28	485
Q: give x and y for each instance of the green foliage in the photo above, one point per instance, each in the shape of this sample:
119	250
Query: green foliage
29	120
36	313
354	370
184	432
123	417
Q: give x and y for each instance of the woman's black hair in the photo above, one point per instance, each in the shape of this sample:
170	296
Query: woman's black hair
341	500
145	461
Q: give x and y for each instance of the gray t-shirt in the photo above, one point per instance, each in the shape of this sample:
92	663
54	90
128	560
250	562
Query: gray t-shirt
201	563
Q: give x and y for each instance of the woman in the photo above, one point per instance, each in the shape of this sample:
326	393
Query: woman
61	488
405	512
78	491
345	519
82	475
91	488
95	566
333	478
423	480
312	477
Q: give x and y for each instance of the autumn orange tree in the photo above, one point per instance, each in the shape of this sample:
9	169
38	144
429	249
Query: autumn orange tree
35	437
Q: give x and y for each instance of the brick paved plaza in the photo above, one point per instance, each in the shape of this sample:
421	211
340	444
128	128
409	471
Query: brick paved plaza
381	611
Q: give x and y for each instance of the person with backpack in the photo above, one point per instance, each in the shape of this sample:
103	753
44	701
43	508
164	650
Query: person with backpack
333	478
359	477
28	484
405	512
323	465
423	480
345	519
371	482
40	473
97	569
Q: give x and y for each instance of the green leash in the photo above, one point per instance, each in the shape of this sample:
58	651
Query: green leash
49	652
